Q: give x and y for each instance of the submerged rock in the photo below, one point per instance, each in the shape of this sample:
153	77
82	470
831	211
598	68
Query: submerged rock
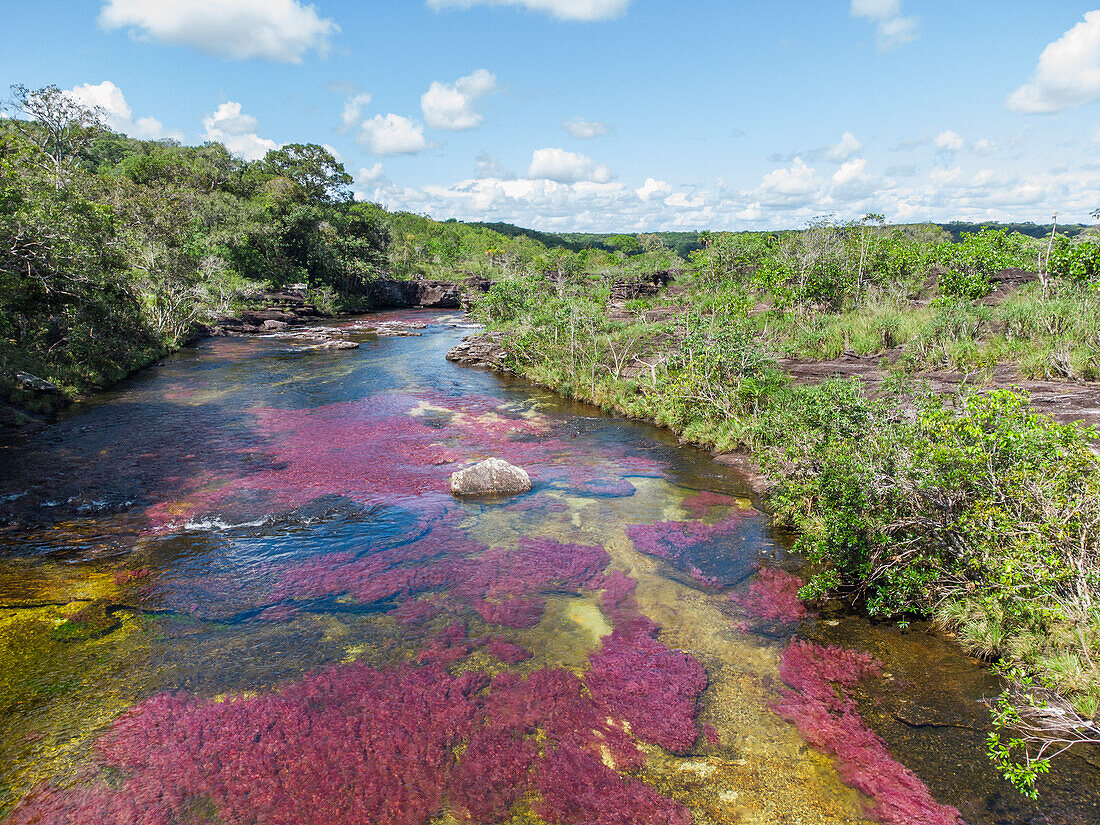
492	477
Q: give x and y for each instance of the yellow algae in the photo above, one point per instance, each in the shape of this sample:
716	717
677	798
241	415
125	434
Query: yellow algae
30	584
570	629
699	767
61	695
352	653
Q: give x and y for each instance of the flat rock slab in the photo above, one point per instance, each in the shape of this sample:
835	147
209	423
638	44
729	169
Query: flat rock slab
492	477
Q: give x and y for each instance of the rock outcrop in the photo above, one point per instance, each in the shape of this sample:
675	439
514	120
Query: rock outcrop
492	477
385	293
479	351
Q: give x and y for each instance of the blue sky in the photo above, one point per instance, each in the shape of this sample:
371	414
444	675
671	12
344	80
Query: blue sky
614	115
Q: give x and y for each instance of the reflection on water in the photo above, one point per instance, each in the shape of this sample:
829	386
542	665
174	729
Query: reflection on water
237	589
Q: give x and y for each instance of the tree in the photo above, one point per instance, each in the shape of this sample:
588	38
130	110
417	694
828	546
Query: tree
57	124
313	168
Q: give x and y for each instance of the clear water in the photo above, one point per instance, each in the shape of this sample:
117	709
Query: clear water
237	589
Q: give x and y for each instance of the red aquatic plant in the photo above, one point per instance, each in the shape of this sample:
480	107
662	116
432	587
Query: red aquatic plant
493	773
576	787
711	734
397	448
773	596
828	719
692	545
508	652
354	744
655	689
701	503
127	576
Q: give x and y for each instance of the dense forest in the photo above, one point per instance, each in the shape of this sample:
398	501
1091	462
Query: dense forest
969	506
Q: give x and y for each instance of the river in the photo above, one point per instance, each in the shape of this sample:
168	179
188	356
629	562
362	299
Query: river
237	589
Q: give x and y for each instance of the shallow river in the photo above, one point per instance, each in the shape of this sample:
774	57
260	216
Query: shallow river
237	590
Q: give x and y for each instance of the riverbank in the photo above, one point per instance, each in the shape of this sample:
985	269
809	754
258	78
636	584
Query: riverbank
966	506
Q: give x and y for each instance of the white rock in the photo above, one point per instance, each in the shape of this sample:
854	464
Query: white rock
492	477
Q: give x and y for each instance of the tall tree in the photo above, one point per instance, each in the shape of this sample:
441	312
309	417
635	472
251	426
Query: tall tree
57	124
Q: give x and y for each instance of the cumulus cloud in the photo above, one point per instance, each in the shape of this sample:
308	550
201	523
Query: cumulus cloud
585	10
846	148
653	187
1068	74
229	125
983	146
392	135
371	174
892	28
566	167
108	98
280	30
948	141
583	129
785	198
353	110
789	186
450	106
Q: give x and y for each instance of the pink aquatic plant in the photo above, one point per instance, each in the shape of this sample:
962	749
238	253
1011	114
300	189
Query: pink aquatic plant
688	543
127	576
773	596
576	787
710	733
655	689
701	503
828	719
395	449
392	747
508	652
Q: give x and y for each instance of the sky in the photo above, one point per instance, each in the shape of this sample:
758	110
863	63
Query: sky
613	115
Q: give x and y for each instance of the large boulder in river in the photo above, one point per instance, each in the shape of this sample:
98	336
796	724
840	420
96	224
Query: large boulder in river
492	477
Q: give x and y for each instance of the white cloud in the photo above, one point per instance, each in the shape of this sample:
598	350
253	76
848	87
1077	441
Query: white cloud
373	174
393	135
787	198
983	146
791	186
948	141
850	171
681	200
652	187
353	110
566	167
561	9
846	148
450	106
583	129
281	30
1068	74
892	28
108	98
238	131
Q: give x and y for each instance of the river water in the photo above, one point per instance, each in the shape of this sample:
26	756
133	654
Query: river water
236	589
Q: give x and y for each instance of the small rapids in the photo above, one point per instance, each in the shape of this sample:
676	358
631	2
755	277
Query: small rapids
237	589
